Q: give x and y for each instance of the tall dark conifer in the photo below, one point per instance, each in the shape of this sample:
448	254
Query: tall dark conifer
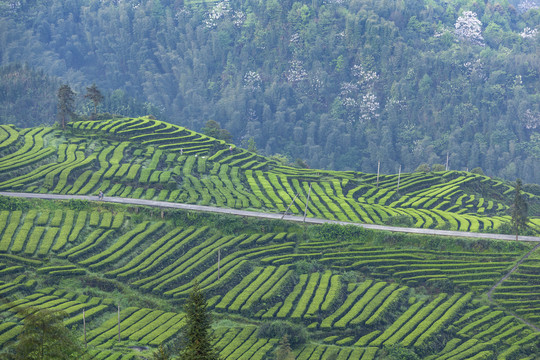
160	354
198	340
45	337
93	93
66	103
520	210
284	351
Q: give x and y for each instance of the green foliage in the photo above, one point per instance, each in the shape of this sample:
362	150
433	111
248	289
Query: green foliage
78	205
400	220
93	93
438	167
400	352
44	337
422	168
198	344
284	351
252	146
160	354
213	129
519	210
66	104
333	232
306	267
282	159
13	203
29	94
296	334
478	170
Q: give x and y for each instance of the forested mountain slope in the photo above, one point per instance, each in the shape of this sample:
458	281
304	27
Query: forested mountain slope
341	84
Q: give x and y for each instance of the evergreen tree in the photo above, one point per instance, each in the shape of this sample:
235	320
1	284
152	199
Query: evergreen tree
198	344
66	103
212	128
284	351
519	210
160	354
252	147
44	337
93	93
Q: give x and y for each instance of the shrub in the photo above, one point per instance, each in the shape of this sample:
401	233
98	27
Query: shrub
306	267
12	203
399	352
339	233
297	334
478	171
422	168
438	167
400	220
78	205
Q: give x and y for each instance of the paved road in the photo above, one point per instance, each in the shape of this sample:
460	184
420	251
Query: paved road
271	216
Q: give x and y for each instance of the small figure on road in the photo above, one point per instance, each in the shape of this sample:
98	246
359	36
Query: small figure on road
100	196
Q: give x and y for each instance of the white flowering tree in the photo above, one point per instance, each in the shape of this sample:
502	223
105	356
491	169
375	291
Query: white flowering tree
358	98
469	29
527	5
474	69
222	10
529	33
531	119
252	80
296	72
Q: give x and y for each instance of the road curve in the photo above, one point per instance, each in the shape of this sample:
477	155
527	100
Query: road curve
271	216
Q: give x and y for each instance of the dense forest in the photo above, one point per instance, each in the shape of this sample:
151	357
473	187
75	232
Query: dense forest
341	84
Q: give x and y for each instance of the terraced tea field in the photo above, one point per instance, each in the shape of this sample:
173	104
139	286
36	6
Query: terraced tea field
342	293
149	159
356	298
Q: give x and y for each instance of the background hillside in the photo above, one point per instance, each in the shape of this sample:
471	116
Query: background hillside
341	84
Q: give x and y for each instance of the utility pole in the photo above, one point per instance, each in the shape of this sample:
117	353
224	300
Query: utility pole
399	177
285	213
118	323
218	260
307	202
378	168
84	328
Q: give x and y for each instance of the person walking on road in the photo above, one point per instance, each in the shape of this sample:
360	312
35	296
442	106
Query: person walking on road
100	196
